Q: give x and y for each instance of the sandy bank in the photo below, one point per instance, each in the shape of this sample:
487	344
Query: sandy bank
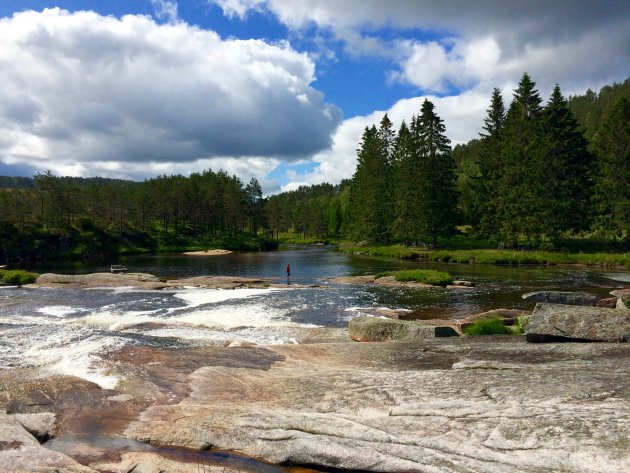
209	252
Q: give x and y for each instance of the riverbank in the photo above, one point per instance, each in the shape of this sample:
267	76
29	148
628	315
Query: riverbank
496	257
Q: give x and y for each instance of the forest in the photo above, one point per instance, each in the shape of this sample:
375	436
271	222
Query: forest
540	174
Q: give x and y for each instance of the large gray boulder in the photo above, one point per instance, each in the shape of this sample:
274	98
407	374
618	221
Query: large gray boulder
558	322
561	297
374	329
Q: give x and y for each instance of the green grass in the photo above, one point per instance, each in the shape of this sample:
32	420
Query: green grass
17	277
488	256
493	326
426	276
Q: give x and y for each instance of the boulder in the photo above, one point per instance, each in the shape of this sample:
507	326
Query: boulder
142	280
373	329
610	303
623	303
560	297
463	283
41	425
620	292
558	322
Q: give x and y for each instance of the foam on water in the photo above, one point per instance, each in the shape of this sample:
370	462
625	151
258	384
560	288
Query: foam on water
230	317
69	354
196	297
57	310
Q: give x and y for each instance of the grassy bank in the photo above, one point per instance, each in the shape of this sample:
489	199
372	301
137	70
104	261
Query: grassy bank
488	256
425	276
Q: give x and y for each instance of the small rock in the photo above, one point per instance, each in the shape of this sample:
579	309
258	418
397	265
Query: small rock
464	283
40	425
120	398
559	297
557	322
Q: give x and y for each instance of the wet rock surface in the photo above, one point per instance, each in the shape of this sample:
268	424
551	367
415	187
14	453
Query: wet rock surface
562	297
492	404
557	322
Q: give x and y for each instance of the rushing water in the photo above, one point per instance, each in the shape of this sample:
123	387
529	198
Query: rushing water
71	331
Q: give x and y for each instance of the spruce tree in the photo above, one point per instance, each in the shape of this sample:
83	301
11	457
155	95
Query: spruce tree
486	183
517	182
407	181
438	197
369	206
564	168
612	189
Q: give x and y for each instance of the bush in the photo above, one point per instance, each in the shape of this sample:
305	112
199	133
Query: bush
493	326
17	277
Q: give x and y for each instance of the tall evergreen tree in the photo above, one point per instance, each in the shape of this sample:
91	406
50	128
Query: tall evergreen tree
612	189
517	184
369	201
564	167
438	195
484	186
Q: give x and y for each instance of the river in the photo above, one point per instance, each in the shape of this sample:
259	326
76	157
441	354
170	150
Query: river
70	331
80	332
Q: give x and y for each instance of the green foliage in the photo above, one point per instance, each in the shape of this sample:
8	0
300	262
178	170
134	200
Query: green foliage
492	326
17	277
426	276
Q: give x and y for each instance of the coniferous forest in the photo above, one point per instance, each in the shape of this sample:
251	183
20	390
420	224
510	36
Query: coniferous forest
542	172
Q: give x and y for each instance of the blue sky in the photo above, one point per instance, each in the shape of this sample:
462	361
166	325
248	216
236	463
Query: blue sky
275	89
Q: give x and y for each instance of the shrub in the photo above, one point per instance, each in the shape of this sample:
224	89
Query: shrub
426	276
18	277
493	326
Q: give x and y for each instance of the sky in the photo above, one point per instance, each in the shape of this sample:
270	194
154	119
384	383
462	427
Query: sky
279	90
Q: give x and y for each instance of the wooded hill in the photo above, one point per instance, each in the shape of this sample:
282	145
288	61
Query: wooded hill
538	173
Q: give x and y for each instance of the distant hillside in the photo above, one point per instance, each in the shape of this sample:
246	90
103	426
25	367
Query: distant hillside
592	109
13	182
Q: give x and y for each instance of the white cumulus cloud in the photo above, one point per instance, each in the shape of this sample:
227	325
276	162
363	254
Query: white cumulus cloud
83	93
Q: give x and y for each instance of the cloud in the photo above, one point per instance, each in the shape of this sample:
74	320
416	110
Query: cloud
577	42
165	10
83	93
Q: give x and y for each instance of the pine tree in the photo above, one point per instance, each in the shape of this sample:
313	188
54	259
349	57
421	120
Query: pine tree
612	189
370	200
564	166
517	183
437	170
407	181
485	205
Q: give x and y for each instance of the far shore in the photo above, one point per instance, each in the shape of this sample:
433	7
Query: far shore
208	252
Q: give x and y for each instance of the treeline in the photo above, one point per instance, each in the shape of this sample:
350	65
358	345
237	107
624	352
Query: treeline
64	217
538	173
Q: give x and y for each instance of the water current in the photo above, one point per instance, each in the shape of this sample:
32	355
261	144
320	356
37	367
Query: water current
71	331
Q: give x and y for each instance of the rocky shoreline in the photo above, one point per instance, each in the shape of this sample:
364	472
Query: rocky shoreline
419	397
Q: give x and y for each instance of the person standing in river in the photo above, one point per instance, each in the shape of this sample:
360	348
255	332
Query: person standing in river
288	272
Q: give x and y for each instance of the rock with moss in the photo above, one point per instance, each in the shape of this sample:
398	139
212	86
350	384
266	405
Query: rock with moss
558	322
373	329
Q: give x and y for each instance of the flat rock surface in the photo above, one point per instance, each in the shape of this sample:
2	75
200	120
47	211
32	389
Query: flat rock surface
468	404
142	280
555	322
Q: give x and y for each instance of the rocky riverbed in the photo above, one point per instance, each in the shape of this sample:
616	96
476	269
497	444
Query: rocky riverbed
314	398
457	404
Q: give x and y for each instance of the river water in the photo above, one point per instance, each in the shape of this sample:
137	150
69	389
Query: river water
70	331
